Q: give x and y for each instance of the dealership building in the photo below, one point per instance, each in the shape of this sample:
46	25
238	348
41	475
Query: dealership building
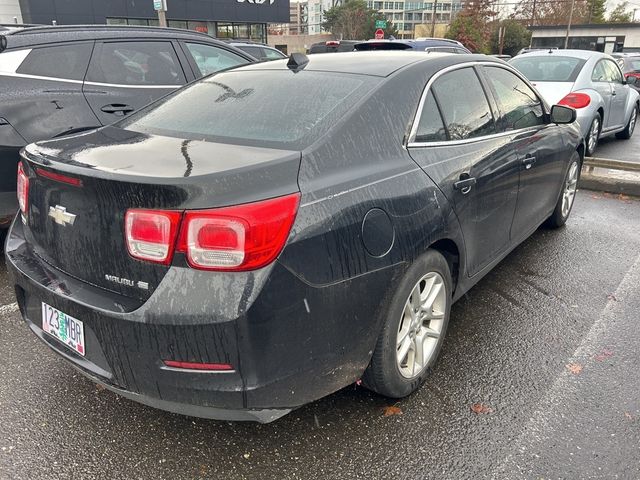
243	19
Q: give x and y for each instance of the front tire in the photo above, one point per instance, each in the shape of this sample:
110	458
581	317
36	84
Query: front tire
414	330
593	136
631	125
569	187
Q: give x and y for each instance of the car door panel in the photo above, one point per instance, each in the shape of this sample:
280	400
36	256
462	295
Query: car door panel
479	176
601	84
619	94
126	75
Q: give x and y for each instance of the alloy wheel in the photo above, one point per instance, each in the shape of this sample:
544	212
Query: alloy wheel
632	121
594	133
570	187
421	325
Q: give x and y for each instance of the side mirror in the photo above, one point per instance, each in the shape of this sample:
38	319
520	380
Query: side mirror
630	80
563	115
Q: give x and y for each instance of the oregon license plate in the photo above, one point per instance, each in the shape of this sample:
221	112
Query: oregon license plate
68	330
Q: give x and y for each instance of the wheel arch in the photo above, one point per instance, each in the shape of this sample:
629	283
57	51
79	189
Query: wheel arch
449	249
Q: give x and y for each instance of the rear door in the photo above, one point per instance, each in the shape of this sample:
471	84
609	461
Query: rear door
601	83
42	94
457	144
124	76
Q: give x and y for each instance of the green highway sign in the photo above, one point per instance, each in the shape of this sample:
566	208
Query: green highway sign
381	24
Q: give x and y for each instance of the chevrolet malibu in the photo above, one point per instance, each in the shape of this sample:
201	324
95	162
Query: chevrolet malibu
271	234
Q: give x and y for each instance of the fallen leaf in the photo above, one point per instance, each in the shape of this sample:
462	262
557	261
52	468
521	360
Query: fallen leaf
481	408
597	197
246	455
359	382
575	368
629	416
100	387
392	410
603	355
611	296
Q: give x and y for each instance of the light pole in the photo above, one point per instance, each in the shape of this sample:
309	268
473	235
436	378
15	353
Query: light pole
566	38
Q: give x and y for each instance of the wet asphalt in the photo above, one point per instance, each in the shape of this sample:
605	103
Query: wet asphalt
614	149
546	350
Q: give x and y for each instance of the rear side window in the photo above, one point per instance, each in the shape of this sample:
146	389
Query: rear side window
136	63
270	108
464	105
64	62
613	72
430	128
210	59
550	68
273	54
599	73
519	105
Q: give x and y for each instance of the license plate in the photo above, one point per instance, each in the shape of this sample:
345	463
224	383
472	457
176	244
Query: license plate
68	330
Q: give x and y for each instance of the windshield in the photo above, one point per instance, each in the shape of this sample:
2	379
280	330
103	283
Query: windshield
548	68
269	108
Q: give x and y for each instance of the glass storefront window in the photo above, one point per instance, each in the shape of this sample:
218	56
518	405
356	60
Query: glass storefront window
224	30
240	30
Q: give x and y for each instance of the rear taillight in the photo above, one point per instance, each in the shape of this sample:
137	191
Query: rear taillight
243	237
23	189
576	100
151	234
238	238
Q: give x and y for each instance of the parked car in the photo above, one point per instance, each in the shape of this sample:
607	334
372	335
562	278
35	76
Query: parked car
422	44
260	51
590	82
59	80
269	234
333	46
629	63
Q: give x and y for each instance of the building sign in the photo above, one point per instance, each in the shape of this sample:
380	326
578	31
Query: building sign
257	2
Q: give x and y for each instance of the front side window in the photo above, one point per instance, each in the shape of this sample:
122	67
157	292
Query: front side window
210	59
64	62
464	105
599	73
519	105
613	72
136	63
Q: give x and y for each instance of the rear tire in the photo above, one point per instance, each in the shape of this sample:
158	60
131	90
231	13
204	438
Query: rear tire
414	330
631	125
593	136
567	196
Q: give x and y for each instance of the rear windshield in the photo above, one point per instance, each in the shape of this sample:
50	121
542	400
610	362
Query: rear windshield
269	108
382	46
548	68
632	65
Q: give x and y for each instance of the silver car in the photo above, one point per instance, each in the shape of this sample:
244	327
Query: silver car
590	82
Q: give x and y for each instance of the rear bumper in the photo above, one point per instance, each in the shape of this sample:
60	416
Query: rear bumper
289	343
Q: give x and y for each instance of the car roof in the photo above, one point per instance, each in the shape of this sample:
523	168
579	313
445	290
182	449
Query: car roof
582	54
380	63
66	33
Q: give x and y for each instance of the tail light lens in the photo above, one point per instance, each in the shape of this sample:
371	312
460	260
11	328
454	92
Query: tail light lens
239	238
576	100
242	237
151	234
23	189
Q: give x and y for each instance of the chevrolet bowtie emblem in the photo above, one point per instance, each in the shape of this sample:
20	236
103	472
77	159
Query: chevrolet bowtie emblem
61	216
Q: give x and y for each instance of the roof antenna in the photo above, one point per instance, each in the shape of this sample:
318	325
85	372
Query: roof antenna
297	61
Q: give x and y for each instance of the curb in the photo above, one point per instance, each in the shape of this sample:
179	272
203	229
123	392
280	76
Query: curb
613	176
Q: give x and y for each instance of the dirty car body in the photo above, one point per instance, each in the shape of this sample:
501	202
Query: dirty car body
367	192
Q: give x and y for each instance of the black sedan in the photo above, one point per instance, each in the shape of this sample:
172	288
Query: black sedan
268	235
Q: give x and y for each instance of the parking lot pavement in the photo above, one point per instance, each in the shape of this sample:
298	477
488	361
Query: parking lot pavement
614	149
537	379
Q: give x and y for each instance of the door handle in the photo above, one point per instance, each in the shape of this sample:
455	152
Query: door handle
528	161
117	109
465	183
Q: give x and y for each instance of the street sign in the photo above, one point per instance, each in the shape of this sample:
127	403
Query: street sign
379	34
381	24
160	5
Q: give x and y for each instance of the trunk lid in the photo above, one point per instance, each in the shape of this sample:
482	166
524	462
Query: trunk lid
79	229
553	92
